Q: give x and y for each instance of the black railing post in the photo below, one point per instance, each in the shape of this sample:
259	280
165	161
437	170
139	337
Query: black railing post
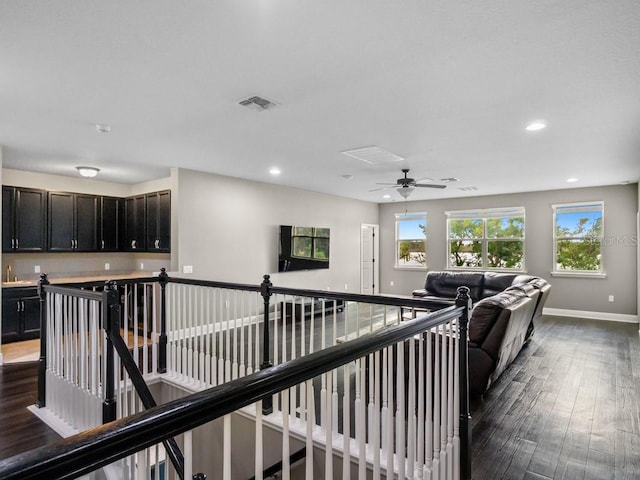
111	322
42	361
265	291
464	300
162	340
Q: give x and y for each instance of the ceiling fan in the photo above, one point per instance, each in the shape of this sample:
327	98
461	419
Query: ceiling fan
406	185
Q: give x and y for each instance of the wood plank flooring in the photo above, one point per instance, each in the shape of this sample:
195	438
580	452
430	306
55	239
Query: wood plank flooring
568	408
20	430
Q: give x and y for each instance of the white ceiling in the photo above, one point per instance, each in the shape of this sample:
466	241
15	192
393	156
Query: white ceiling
448	86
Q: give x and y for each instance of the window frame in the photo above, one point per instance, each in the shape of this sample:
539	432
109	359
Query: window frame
409	216
575	207
484	215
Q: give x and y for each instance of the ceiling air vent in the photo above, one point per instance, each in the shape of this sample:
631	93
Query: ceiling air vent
373	155
257	103
468	189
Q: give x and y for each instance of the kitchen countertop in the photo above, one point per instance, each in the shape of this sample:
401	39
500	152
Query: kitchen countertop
79	279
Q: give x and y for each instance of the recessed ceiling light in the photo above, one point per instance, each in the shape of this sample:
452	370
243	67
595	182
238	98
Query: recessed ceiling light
275	171
347	177
386	196
572	180
88	171
102	128
535	126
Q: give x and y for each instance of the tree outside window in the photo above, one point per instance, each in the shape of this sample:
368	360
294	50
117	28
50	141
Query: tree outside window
578	237
486	239
411	240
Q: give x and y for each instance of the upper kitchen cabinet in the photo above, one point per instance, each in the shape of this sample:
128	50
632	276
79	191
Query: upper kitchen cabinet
111	224
24	219
135	223
73	222
159	221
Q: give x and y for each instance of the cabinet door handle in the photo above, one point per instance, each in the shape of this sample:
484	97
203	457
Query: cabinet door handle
17	243
13	243
18	305
157	243
102	244
133	244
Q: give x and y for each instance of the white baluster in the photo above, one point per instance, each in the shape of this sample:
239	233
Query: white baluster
400	411
411	408
188	453
286	467
375	368
310	424
226	462
259	462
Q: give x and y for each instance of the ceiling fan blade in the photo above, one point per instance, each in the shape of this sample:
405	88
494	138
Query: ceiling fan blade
390	184
429	185
383	188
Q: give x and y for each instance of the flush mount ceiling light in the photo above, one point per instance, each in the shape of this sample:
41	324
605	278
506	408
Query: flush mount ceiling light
275	171
536	125
102	128
572	180
88	171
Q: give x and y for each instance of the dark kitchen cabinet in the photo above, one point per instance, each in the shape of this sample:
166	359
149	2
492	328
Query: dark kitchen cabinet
135	223
159	221
24	219
20	314
73	222
111	224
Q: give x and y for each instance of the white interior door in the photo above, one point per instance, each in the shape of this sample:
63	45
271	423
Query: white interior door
369	259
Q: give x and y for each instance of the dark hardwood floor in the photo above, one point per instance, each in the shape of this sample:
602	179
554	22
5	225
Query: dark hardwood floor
568	408
20	430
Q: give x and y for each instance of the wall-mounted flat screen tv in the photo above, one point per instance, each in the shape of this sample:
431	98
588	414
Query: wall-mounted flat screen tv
303	248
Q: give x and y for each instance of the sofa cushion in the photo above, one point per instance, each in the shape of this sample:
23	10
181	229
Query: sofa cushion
445	284
492	312
496	282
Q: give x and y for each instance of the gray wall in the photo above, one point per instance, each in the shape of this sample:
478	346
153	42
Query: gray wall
588	294
227	229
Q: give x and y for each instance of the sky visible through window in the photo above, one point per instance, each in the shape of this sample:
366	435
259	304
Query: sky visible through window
570	220
410	229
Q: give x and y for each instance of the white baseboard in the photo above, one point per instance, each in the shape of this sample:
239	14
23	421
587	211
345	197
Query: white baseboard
609	317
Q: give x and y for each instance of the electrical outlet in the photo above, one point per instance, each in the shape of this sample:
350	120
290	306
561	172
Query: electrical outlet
346	287
611	298
36	269
187	269
141	266
391	283
107	266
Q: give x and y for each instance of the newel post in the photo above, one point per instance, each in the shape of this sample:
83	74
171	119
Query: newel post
265	291
163	279
464	300
111	323
42	361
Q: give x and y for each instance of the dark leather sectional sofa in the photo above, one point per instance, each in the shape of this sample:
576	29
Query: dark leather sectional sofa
505	309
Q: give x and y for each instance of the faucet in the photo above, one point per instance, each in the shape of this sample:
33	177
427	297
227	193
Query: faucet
8	273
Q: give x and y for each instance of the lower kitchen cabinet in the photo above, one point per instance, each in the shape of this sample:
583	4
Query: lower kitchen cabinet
20	314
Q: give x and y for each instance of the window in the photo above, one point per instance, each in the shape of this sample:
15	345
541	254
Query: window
308	242
578	237
486	239
411	240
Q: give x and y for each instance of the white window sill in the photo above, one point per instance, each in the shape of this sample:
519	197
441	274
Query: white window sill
421	268
483	270
579	274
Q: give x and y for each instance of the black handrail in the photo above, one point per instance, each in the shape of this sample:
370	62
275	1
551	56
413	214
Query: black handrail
103	445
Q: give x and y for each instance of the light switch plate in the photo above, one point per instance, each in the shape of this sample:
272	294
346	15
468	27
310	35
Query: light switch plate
187	269
36	269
